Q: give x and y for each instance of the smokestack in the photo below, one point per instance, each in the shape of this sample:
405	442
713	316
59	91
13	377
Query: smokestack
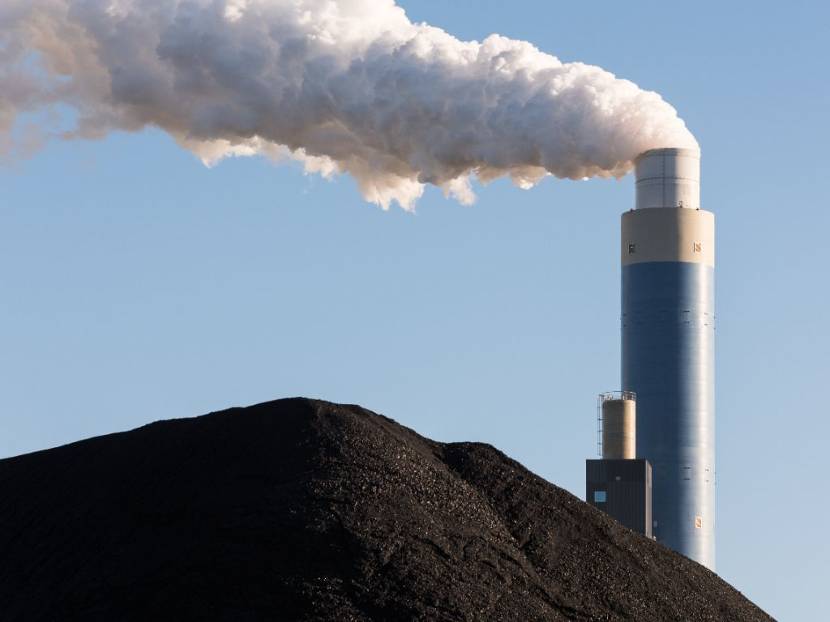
619	426
668	345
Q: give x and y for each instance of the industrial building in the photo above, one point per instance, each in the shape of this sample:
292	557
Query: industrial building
668	354
619	483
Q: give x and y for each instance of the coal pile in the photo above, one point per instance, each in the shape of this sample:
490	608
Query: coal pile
305	510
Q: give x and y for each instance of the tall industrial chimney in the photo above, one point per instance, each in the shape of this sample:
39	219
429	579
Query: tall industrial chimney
668	345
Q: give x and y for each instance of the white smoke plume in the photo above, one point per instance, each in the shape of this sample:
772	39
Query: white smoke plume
349	86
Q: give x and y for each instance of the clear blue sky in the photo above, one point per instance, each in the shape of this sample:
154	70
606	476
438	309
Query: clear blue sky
138	285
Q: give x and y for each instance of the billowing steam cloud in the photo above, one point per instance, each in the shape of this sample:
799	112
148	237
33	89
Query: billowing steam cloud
342	85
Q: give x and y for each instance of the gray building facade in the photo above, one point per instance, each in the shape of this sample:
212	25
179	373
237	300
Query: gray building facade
621	489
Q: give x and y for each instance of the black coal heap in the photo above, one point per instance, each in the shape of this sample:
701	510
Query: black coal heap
305	510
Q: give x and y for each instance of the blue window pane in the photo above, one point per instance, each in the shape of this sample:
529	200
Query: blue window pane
599	496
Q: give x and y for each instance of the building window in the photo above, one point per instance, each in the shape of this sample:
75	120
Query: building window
632	248
599	496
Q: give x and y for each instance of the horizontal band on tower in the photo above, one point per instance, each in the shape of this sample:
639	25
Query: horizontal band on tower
668	234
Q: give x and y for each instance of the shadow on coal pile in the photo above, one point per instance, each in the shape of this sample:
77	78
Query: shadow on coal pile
305	510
